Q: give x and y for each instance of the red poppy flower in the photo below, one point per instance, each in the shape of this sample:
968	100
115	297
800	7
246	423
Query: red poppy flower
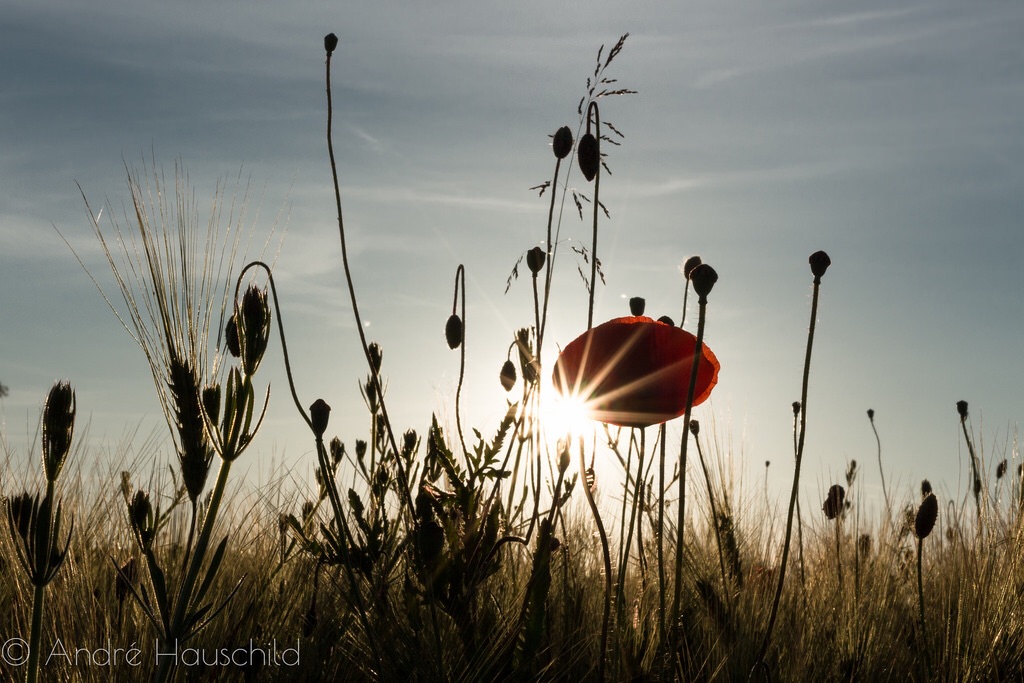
634	371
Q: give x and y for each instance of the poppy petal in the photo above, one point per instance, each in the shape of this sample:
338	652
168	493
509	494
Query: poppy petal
634	371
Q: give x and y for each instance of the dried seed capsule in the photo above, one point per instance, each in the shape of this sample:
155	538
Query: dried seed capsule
927	513
820	262
589	154
704	278
562	143
637	305
330	43
453	331
961	409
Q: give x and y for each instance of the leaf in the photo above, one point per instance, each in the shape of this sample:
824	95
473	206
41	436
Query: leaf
211	571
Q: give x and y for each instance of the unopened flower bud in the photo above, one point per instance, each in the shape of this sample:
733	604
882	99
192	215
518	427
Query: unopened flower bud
589	154
667	320
376	356
319	414
211	402
253	328
694	427
508	375
637	305
689	265
834	502
927	513
704	278
871	414
562	143
453	331
330	43
58	426
926	487
820	262
535	258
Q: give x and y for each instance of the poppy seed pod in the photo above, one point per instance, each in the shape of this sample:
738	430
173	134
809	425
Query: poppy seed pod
834	501
796	408
453	331
535	258
820	262
961	408
508	375
319	414
562	142
694	427
58	426
330	43
689	265
635	371
704	278
927	513
637	305
589	154
667	320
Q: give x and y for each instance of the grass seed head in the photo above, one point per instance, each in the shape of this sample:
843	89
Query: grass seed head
254	330
562	143
927	513
376	356
19	509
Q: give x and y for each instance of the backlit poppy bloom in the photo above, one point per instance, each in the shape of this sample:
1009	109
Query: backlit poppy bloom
634	371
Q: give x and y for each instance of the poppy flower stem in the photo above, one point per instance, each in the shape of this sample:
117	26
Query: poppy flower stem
637	492
681	520
661	532
403	476
920	603
819	262
460	278
605	618
597	189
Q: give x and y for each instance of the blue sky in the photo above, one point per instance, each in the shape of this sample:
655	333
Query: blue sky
890	137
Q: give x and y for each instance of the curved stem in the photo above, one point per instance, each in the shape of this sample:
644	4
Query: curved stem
460	272
403	476
607	566
920	602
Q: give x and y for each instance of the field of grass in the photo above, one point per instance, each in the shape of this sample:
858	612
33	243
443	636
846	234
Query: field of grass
454	555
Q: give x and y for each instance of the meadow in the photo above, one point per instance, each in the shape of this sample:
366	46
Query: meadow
457	554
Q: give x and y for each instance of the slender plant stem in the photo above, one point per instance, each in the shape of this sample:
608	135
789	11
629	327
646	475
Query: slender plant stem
714	522
605	618
661	532
460	276
698	352
881	470
796	482
920	603
403	476
39	591
597	189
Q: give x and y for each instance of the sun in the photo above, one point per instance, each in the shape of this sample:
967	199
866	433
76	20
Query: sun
563	416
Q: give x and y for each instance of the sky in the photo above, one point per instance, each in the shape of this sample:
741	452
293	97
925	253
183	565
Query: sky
888	136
